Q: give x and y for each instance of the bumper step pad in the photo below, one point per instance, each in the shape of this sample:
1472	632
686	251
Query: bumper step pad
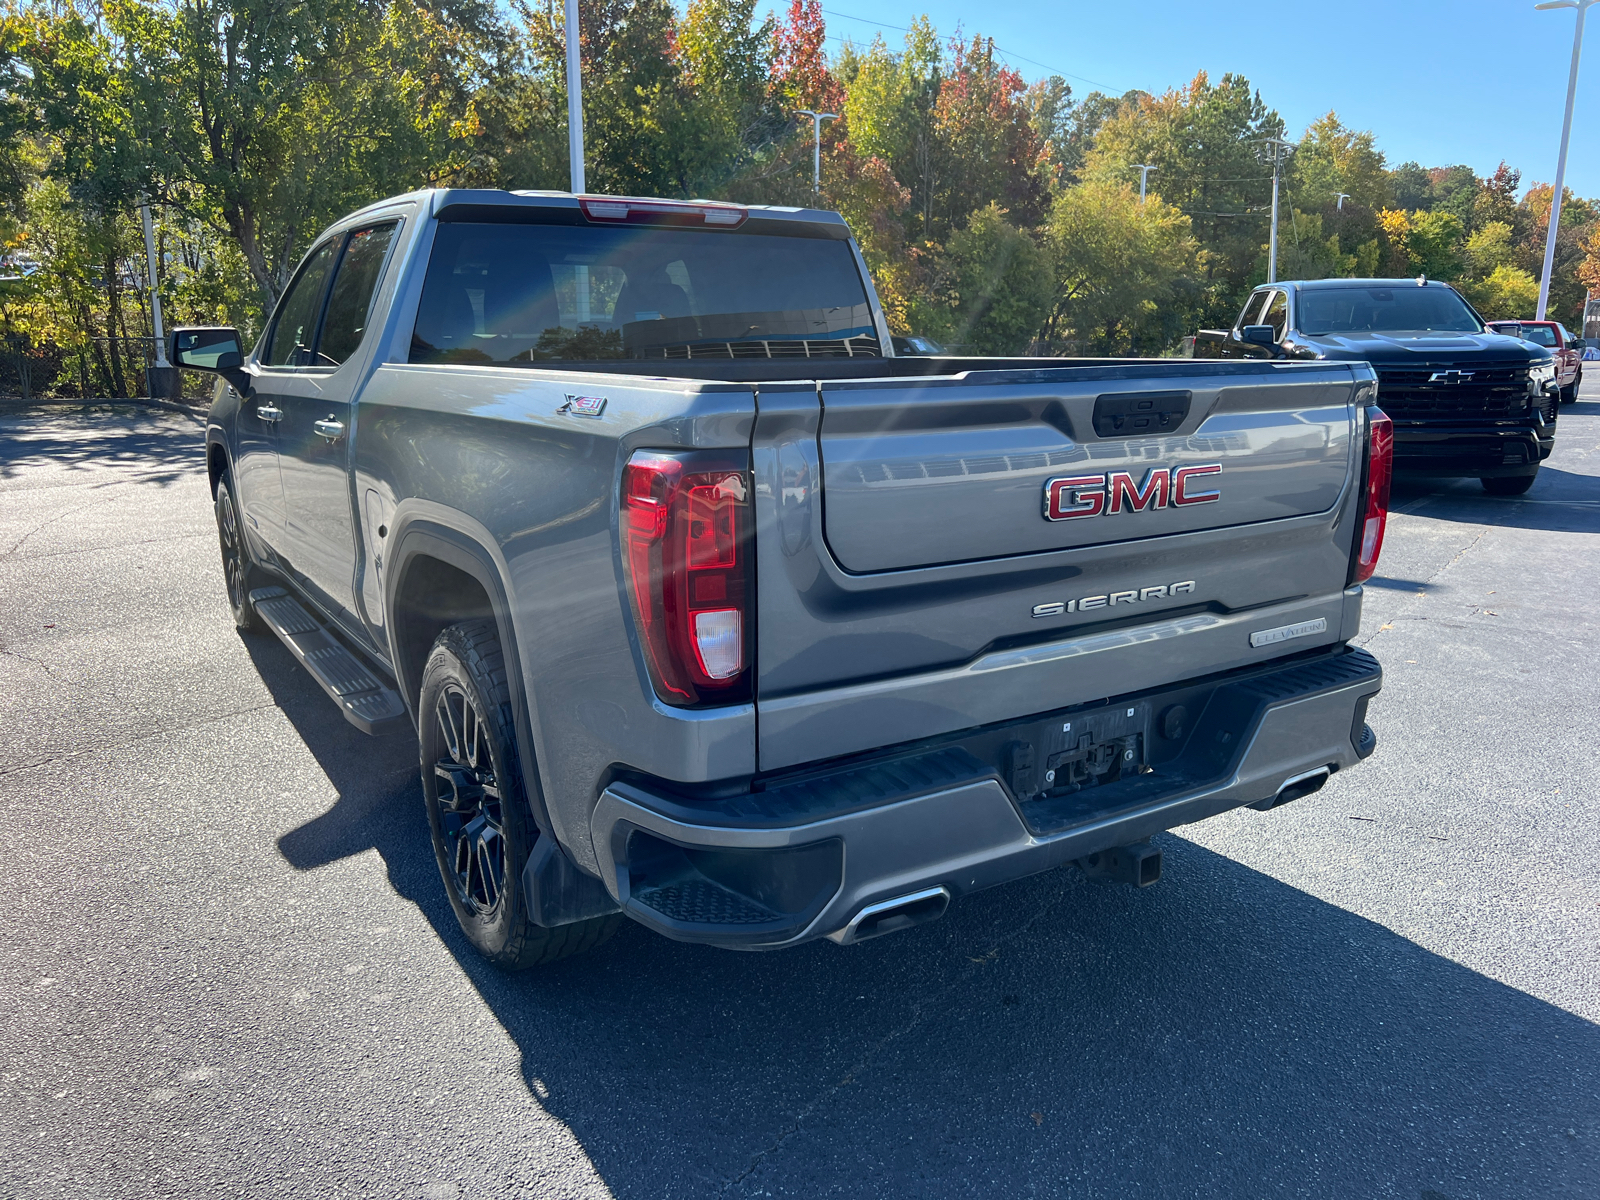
366	702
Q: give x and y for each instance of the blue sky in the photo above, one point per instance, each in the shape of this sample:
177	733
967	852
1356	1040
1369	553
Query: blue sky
1467	82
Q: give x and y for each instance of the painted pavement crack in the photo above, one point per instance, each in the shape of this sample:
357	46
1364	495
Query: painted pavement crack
134	741
71	512
1422	592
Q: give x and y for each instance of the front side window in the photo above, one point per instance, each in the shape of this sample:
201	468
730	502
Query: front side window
521	294
1400	309
350	301
1252	308
1277	315
294	334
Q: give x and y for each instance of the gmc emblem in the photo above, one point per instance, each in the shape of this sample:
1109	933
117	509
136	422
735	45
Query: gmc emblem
1074	496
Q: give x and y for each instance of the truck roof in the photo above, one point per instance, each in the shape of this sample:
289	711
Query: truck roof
1312	285
481	203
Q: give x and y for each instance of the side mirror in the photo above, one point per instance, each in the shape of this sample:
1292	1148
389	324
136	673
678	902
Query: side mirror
214	348
1259	335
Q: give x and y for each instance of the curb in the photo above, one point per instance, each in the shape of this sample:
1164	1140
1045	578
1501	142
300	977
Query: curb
198	409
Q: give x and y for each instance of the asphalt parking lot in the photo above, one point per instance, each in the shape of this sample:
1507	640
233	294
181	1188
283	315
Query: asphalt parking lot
229	968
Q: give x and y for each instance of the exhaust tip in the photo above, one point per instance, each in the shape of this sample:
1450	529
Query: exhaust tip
891	916
1295	788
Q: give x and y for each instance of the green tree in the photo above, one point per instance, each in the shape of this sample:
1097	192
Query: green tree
1332	160
993	288
1206	143
1121	268
1506	293
1436	245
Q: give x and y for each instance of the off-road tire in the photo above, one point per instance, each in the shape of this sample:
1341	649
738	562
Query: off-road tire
478	808
237	570
1509	485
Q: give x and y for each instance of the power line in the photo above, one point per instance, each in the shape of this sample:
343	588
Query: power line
1008	53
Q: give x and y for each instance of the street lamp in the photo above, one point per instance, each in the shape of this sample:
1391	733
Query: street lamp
1144	170
817	118
574	100
1342	197
1561	161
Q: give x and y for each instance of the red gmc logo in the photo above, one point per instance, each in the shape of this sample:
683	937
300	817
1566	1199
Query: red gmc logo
1074	496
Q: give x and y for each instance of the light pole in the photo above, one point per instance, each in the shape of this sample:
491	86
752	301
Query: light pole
1144	170
1280	149
817	118
574	100
1342	197
1561	161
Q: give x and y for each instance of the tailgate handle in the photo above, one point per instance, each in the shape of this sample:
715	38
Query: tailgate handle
1139	414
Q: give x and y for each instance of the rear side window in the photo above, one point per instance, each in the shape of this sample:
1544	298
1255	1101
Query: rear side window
521	294
350	301
295	332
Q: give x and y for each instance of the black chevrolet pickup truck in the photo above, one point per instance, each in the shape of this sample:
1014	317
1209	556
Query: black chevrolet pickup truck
1464	400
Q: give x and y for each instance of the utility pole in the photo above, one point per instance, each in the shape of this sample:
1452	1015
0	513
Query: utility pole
155	295
1280	150
162	379
574	100
817	118
1144	174
1561	160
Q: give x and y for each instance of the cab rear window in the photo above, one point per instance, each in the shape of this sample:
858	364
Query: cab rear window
516	295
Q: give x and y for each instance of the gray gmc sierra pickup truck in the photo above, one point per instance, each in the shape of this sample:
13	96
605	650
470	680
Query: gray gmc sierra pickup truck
710	611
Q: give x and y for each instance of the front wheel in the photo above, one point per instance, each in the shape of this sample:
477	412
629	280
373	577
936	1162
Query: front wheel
236	568
1509	485
1569	394
478	810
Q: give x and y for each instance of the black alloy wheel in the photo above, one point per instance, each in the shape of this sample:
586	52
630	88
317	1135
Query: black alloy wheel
478	806
236	566
471	808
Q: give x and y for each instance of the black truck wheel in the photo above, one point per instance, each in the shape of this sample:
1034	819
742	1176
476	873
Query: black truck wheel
473	785
1569	394
235	559
1509	485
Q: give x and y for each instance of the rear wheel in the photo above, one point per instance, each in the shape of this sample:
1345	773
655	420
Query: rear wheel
1509	485
236	567
478	810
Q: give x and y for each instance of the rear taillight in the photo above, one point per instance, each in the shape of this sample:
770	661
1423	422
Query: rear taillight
686	546
1380	469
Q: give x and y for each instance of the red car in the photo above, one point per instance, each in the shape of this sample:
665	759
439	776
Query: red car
1552	335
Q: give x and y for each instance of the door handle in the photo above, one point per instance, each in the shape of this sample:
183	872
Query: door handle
329	428
269	414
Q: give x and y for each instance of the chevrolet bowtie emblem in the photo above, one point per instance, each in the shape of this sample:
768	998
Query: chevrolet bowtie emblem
1451	376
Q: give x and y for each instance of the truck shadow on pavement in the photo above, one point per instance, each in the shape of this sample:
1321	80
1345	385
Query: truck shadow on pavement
1560	501
1222	1034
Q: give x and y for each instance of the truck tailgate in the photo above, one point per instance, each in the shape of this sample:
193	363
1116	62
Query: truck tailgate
955	470
937	554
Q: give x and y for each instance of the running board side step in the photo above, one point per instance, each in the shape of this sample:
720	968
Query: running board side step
363	699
